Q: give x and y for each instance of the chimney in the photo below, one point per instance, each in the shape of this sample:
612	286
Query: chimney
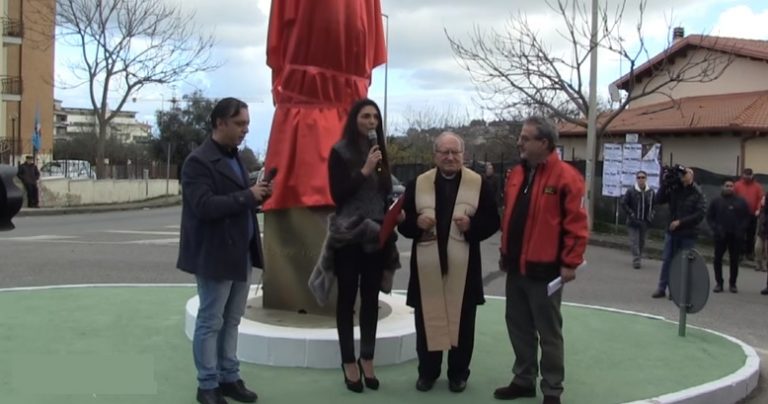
677	34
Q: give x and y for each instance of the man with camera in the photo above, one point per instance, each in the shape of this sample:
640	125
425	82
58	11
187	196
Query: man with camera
687	208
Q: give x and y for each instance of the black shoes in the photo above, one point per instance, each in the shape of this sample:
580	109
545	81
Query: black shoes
370	382
764	291
457	386
424	384
238	392
717	289
210	396
733	289
514	391
551	400
356	386
659	293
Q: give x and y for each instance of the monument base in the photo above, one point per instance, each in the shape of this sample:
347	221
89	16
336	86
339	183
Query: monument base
289	339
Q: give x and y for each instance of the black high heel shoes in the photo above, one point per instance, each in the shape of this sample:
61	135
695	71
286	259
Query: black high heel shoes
370	382
356	386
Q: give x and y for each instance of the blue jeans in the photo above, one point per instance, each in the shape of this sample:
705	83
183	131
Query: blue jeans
672	245
222	304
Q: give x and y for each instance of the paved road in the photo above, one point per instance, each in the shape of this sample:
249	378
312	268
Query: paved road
141	247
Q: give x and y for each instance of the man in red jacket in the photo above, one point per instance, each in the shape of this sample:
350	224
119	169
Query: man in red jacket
752	192
544	236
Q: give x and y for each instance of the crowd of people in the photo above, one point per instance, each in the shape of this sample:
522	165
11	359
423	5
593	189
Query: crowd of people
736	219
447	212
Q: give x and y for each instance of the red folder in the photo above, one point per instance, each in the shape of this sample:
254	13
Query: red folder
390	221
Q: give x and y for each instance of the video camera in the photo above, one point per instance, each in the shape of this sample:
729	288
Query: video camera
672	177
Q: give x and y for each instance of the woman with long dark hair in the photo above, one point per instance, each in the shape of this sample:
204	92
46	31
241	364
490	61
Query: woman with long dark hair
360	184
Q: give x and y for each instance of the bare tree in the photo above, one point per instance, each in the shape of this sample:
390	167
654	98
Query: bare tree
126	45
515	70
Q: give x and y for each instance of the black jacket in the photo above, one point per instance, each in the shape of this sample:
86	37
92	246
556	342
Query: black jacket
728	215
686	204
215	214
638	205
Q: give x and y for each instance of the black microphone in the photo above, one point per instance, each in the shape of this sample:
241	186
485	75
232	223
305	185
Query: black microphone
372	138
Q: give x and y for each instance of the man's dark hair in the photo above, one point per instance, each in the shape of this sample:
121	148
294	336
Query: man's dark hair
641	172
545	128
226	108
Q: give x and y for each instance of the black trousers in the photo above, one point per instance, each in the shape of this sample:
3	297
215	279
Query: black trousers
459	357
32	195
355	267
749	242
733	244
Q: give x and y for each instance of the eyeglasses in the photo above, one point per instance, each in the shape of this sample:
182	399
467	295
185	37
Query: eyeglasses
449	152
641	177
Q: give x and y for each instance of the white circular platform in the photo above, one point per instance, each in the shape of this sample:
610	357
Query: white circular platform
274	345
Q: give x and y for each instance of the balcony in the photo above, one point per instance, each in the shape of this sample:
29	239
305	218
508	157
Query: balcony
10	88
13	31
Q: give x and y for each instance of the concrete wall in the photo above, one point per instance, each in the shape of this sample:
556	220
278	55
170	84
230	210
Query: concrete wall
60	192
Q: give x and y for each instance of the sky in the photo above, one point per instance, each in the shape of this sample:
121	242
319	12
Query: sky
422	73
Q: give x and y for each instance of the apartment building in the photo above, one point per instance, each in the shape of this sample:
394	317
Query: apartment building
26	78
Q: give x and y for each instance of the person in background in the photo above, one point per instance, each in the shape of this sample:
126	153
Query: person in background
29	175
638	206
728	217
752	192
687	208
761	251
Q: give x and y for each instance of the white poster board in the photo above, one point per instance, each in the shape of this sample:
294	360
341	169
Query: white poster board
622	161
612	169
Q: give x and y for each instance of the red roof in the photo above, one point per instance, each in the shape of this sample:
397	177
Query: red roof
756	49
746	112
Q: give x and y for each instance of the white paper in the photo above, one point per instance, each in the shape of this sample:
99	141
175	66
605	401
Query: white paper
556	284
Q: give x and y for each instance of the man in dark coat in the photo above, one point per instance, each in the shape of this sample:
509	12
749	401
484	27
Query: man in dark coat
29	175
687	207
728	216
448	212
220	244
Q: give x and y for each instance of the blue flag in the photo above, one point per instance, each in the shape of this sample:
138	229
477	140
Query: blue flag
36	136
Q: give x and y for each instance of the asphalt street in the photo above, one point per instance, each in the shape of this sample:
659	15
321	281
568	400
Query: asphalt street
140	246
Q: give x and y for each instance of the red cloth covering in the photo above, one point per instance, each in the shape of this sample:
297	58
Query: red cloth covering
321	53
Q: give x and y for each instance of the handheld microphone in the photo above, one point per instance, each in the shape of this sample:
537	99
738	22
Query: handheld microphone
372	139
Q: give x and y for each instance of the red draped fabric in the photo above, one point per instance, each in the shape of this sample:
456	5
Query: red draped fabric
321	53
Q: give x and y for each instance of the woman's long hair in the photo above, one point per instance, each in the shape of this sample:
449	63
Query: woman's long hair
352	135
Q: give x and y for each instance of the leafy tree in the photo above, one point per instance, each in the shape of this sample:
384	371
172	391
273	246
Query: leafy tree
182	128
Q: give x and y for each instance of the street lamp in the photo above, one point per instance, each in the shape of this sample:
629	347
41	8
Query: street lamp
386	73
13	139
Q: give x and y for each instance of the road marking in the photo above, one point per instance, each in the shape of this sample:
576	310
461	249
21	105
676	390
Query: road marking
156	233
41	237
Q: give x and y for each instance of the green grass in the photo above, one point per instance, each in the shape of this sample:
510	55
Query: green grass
127	345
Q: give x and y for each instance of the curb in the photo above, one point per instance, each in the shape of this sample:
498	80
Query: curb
161	202
654	252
